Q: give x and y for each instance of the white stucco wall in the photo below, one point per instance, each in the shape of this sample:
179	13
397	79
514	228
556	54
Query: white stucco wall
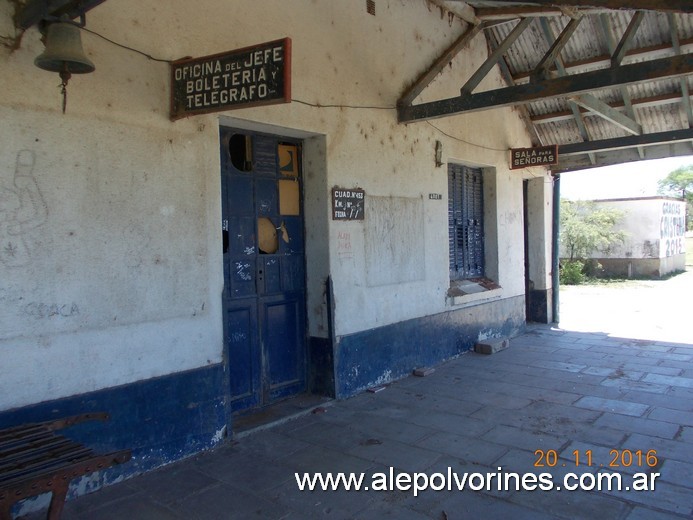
539	199
654	227
115	210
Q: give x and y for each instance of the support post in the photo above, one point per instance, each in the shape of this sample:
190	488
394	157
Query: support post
555	246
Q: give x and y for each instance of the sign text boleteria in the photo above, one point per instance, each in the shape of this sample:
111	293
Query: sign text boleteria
252	76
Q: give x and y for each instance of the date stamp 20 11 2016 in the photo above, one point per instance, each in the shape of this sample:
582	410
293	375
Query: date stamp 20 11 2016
623	458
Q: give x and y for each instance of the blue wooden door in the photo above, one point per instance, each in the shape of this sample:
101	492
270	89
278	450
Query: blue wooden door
264	280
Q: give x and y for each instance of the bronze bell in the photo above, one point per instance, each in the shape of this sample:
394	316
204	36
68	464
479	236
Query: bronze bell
64	52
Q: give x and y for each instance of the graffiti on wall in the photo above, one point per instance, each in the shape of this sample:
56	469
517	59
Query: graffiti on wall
672	229
395	246
22	209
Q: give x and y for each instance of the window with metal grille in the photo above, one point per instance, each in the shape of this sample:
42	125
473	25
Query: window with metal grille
465	222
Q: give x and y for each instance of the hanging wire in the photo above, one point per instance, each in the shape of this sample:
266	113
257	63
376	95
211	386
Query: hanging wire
300	101
122	46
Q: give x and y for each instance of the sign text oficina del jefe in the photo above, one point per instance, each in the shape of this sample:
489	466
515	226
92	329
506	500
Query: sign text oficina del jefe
258	75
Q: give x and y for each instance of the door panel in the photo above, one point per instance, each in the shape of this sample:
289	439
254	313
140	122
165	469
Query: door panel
283	340
266	197
264	274
244	373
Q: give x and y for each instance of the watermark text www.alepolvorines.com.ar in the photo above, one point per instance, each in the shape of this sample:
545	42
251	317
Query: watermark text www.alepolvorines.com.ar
490	481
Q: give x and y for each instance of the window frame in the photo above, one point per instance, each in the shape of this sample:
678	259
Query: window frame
466	223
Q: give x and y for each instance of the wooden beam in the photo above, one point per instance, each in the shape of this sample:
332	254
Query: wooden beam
632	141
574	108
36	10
663	68
425	79
490	14
618	52
625	155
647	53
496	55
541	70
603	110
685	91
673	6
463	11
627	38
566	115
523	111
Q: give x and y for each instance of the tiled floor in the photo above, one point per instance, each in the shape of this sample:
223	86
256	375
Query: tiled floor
566	393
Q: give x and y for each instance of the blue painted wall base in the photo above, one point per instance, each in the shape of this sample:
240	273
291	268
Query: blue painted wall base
378	356
169	418
161	420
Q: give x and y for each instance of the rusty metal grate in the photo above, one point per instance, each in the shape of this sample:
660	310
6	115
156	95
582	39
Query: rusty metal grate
370	7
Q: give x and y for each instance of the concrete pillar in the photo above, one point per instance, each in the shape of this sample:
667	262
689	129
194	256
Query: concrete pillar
538	236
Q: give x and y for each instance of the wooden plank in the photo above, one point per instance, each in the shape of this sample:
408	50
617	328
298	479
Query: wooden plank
685	91
10	456
642	53
541	70
653	101
490	14
627	38
625	155
604	111
680	6
425	79
619	143
618	52
663	68
495	56
522	110
574	108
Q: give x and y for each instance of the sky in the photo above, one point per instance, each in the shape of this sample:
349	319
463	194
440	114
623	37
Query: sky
636	179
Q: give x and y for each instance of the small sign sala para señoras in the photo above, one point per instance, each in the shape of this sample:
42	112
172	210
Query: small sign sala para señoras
539	156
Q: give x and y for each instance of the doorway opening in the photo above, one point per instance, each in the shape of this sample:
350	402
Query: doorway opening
264	295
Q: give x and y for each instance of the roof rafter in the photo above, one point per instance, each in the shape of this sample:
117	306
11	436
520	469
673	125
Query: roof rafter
542	69
627	38
618	53
425	79
495	56
662	68
653	52
603	110
574	108
680	6
685	91
510	13
522	109
653	101
620	143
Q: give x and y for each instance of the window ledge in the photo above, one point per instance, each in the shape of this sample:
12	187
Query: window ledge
473	290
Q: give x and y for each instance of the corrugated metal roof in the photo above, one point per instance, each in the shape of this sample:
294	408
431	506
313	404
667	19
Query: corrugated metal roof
657	105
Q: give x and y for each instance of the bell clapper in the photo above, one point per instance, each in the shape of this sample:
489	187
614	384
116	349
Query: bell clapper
65	77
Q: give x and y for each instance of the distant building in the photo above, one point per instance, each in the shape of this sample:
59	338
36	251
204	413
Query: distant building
655	243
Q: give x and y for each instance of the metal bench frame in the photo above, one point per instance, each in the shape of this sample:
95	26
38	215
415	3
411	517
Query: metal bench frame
35	460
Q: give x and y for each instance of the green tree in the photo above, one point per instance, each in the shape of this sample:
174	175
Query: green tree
679	183
585	228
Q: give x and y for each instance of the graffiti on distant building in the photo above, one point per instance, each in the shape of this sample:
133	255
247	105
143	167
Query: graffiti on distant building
672	228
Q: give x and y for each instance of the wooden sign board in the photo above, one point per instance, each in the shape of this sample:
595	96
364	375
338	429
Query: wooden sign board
539	156
348	204
252	76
